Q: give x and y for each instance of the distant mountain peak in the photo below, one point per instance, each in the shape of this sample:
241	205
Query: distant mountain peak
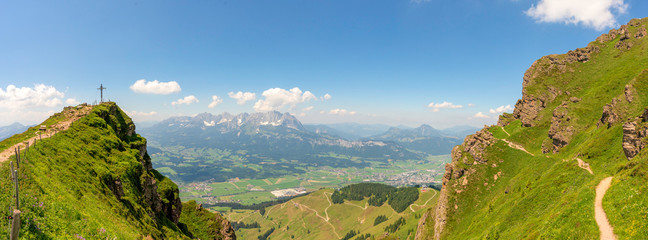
16	124
229	122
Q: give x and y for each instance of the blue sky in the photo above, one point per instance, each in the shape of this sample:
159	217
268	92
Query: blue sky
441	63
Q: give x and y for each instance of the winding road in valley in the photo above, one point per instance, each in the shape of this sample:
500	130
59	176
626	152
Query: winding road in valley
424	204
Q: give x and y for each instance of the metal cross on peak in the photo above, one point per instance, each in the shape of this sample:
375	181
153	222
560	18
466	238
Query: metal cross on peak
101	88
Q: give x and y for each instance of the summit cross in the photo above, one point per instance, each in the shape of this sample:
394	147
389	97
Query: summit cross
101	88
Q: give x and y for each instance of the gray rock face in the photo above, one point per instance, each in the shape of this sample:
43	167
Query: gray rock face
227	231
559	131
609	116
117	189
641	33
151	196
629	93
173	209
527	109
633	136
474	145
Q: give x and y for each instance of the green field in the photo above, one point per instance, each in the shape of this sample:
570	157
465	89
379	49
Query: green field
250	191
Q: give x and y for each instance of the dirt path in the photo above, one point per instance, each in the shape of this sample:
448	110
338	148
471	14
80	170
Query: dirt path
424	204
320	216
601	219
242	218
505	131
363	208
584	165
517	146
330	204
278	181
72	115
237	187
267	181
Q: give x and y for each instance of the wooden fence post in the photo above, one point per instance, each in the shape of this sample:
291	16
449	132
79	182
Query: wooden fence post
15	225
15	222
18	157
16	183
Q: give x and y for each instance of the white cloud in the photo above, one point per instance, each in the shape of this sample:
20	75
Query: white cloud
322	112
302	114
215	101
140	114
480	115
155	87
306	109
71	101
437	106
327	96
186	100
341	112
242	97
143	116
597	14
24	117
277	98
471	105
501	109
26	97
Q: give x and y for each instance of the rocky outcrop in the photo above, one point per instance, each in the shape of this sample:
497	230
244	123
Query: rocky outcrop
226	231
151	196
170	195
635	134
527	109
581	54
629	93
475	145
641	33
560	131
218	227
610	115
422	227
117	188
470	152
505	119
441	211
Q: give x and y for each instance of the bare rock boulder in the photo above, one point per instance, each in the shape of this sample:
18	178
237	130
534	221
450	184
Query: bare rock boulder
527	109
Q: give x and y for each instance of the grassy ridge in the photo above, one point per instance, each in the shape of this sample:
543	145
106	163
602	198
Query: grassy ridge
66	181
548	195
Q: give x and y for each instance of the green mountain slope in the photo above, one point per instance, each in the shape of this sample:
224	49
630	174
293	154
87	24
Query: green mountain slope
92	179
316	216
529	176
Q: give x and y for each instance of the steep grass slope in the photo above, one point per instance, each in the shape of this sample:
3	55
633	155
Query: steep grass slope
92	179
528	177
